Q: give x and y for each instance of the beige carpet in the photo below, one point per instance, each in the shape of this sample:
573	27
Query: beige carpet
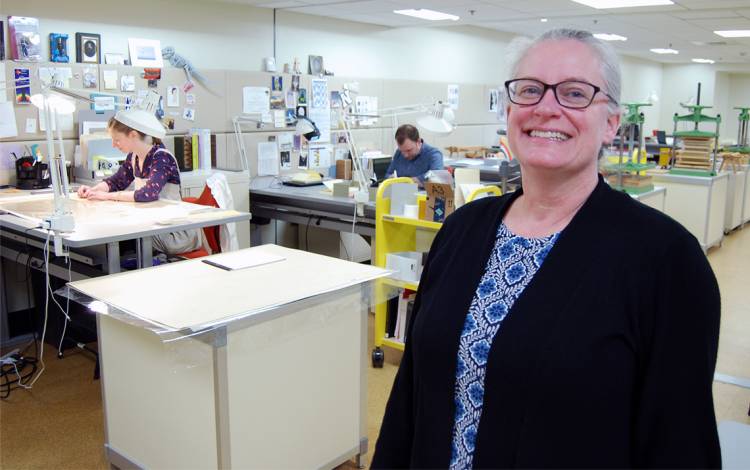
59	424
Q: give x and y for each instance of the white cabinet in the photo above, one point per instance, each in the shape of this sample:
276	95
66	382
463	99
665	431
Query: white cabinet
698	203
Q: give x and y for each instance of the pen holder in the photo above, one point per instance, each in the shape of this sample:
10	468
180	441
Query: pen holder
31	174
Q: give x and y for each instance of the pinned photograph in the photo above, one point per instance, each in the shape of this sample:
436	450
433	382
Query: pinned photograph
173	97
188	114
301	111
190	98
492	101
315	64
127	83
277	83
89	78
286	159
295	83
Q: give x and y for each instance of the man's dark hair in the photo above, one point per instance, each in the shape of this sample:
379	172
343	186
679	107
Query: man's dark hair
407	131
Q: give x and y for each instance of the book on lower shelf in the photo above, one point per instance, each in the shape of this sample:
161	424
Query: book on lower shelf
398	315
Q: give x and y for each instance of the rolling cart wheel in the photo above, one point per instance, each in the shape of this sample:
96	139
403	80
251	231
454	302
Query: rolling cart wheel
378	357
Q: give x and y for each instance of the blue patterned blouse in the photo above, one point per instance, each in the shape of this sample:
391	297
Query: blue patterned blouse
512	265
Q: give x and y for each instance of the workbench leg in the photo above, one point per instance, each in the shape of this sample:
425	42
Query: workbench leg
145	252
113	257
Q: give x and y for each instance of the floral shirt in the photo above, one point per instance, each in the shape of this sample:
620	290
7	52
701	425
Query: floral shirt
159	168
512	265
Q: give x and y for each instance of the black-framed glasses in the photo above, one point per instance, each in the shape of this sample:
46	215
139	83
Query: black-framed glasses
572	94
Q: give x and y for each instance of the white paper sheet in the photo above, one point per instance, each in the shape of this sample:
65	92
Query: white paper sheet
366	105
268	159
255	100
65	121
7	120
94	126
110	79
30	125
279	118
319	156
3	85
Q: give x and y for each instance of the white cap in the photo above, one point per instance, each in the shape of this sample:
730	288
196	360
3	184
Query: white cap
142	121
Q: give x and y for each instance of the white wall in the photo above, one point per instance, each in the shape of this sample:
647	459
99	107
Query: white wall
218	35
681	84
461	54
639	79
739	86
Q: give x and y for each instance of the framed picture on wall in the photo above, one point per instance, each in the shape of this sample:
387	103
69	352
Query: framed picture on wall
145	52
58	47
88	48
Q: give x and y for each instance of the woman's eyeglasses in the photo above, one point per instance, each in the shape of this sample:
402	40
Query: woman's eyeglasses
572	94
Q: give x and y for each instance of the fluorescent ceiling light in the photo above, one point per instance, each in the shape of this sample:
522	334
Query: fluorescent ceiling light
703	61
734	33
425	14
543	20
610	37
664	51
602	4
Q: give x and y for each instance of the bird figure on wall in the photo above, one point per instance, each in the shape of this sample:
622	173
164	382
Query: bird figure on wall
176	60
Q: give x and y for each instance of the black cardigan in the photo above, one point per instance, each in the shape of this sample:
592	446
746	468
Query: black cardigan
605	360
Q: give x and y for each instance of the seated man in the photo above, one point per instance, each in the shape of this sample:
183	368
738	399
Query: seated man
413	158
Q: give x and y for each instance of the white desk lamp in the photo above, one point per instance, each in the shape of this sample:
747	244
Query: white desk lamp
439	119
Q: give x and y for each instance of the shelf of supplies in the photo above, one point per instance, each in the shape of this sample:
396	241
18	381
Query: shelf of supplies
414	222
393	343
401	284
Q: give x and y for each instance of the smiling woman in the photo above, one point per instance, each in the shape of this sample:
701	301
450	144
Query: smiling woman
548	329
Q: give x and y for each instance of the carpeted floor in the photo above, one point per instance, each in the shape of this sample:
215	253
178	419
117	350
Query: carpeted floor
59	424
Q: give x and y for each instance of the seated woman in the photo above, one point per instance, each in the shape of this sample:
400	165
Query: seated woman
150	172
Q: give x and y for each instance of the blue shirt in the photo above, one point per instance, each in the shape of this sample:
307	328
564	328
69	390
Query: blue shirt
429	158
512	265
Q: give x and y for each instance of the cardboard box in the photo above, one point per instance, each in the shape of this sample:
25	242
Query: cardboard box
440	203
344	169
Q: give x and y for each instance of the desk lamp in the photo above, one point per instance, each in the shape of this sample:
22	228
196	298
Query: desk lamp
439	119
52	105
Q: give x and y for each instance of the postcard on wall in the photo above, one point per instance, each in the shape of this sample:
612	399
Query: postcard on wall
188	114
319	91
255	100
302	163
279	118
90	78
173	97
110	79
286	141
23	86
453	96
127	83
492	99
190	98
319	156
286	159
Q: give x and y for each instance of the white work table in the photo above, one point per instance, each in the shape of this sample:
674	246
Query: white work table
655	198
109	222
262	367
697	202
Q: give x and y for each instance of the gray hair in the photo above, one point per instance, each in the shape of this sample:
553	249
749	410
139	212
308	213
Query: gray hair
608	59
